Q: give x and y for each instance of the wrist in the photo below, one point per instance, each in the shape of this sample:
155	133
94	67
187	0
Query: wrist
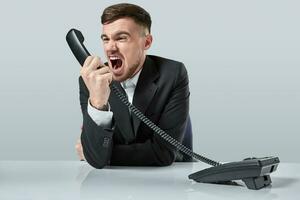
99	105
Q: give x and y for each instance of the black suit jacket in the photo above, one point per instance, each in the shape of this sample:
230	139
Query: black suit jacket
162	94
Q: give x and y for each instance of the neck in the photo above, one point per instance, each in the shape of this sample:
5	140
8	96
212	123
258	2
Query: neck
140	66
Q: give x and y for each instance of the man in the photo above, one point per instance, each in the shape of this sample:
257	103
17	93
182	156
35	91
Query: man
158	87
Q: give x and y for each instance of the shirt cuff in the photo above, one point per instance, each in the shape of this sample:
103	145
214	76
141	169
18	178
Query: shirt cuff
100	117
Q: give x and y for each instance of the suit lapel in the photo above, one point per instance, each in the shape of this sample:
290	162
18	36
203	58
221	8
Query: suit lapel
121	115
145	90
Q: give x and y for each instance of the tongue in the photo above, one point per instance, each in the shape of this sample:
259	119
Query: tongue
116	63
119	63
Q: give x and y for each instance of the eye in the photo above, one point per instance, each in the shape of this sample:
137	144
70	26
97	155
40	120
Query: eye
105	40
122	38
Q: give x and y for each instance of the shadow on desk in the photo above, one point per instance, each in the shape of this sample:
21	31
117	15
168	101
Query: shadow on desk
281	182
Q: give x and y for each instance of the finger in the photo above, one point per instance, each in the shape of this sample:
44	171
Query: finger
95	63
79	150
108	77
81	157
84	71
99	72
102	70
80	154
77	146
105	73
87	61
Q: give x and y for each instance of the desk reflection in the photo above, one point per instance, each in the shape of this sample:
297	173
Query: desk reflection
135	183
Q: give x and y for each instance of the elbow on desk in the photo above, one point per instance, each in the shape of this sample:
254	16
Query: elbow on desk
165	164
166	160
97	165
96	162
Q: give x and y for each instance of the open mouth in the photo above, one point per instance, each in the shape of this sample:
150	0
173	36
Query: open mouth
116	62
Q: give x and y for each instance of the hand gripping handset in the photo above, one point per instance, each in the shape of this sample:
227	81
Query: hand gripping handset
255	173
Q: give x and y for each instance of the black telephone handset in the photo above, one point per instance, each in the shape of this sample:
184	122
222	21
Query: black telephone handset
75	41
253	171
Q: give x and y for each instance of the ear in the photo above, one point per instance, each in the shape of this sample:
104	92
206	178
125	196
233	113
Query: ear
148	41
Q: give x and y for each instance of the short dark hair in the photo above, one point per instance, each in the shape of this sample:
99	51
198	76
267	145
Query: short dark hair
117	11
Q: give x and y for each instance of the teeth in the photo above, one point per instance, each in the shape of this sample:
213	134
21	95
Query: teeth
113	58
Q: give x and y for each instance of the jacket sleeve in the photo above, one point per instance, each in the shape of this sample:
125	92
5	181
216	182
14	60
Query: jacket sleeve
156	151
96	141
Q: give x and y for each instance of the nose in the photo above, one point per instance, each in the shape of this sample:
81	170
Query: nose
112	46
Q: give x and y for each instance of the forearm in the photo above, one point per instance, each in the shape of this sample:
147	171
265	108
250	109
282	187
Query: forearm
141	154
96	142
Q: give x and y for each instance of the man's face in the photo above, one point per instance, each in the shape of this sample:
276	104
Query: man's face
125	43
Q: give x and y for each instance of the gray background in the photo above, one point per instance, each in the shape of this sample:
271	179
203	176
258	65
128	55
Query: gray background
242	58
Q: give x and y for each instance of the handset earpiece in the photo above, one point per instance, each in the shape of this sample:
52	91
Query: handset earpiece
75	41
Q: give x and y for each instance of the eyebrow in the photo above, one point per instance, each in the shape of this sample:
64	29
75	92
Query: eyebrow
116	34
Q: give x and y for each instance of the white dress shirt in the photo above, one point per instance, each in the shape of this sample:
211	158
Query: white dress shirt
104	118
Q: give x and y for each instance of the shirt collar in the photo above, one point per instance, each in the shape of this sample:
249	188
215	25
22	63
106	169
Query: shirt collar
132	81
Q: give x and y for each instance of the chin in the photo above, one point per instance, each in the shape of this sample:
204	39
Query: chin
119	78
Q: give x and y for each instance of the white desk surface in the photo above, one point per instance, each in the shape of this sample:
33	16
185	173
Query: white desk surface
30	180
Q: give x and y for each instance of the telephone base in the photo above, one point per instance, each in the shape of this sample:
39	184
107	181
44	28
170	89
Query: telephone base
254	172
